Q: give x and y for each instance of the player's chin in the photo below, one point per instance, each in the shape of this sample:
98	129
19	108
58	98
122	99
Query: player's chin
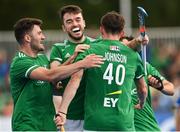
77	37
77	34
41	48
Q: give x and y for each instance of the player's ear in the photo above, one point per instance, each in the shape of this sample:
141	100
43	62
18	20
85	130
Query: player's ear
63	28
122	34
101	30
27	38
84	23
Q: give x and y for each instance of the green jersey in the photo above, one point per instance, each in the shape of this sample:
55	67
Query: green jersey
144	119
33	105
108	104
61	52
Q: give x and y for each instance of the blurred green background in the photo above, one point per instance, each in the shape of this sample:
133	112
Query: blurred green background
161	12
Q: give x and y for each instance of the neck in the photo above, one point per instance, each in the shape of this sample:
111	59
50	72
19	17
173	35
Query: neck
25	48
77	41
111	36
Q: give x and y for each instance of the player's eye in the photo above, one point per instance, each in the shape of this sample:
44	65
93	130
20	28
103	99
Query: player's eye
78	19
68	21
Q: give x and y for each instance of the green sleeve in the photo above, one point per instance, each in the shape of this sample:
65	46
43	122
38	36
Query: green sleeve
56	53
153	71
23	67
140	69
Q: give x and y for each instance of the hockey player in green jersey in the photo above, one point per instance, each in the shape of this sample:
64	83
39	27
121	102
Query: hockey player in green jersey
108	104
64	54
30	78
144	119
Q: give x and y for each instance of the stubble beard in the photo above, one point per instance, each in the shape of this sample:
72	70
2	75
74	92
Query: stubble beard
75	38
38	49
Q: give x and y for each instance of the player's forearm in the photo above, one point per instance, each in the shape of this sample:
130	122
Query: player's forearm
142	94
55	74
70	91
134	44
142	91
57	102
164	86
70	60
63	72
67	98
168	88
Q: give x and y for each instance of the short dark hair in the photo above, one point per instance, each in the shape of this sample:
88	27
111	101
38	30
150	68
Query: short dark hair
23	26
69	9
113	22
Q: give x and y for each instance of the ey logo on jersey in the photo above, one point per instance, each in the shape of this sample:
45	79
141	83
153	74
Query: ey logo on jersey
111	102
114	48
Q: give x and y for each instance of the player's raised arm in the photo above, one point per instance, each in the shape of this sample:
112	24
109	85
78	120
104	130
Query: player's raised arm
68	95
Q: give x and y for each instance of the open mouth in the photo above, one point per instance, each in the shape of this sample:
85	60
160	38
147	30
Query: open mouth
75	30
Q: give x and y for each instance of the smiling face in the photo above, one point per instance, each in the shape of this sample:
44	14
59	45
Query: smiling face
74	24
36	39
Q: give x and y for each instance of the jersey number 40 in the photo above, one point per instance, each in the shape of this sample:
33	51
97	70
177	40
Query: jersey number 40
109	74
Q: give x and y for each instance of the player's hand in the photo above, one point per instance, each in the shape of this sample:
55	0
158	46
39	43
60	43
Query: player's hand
142	40
139	106
81	48
155	82
93	60
60	119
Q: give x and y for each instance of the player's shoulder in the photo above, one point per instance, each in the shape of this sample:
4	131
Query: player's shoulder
127	47
42	56
90	39
20	55
20	58
60	44
130	51
97	40
95	44
58	47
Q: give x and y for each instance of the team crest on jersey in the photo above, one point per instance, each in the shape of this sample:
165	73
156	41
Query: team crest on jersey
114	48
67	55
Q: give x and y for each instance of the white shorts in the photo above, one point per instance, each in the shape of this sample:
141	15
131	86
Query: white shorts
74	125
